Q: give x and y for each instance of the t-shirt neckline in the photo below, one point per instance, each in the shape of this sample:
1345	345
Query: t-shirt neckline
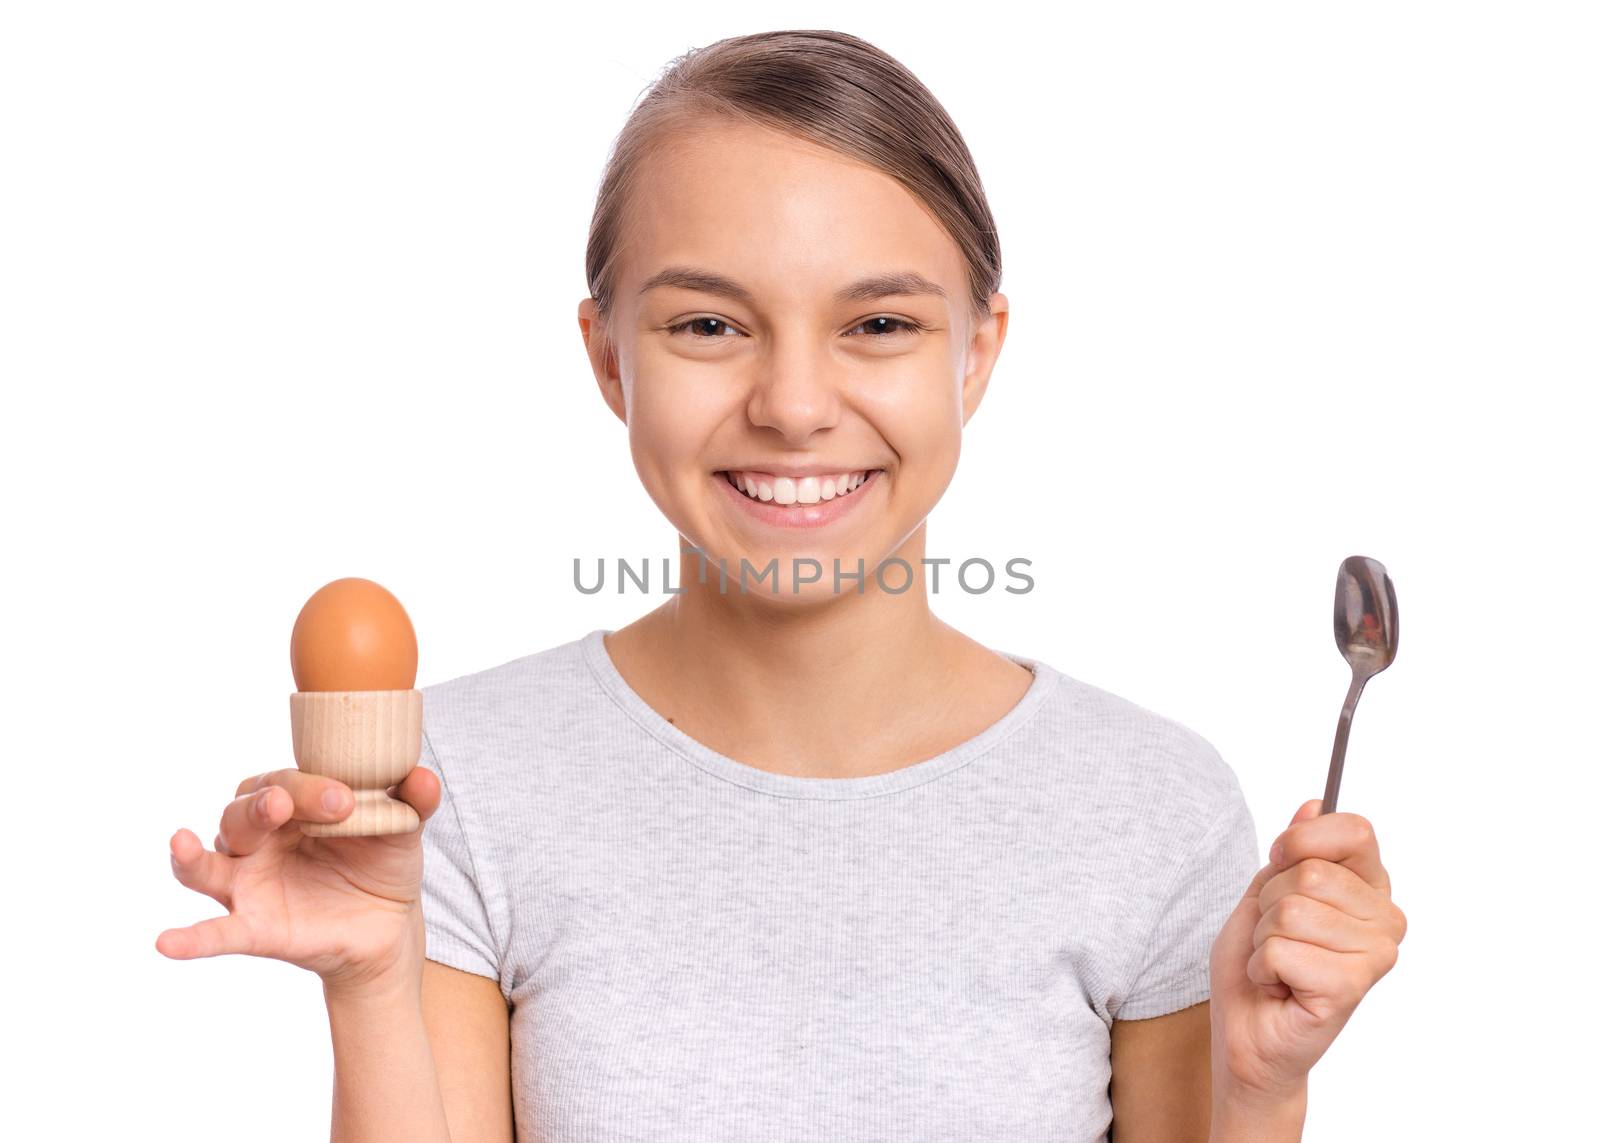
1045	679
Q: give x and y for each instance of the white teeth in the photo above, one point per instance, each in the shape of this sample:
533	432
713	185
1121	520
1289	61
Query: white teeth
798	490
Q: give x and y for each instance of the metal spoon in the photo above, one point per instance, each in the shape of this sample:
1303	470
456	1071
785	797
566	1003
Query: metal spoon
1366	625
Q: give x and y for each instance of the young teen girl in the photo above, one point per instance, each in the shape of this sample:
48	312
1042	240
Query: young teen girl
788	858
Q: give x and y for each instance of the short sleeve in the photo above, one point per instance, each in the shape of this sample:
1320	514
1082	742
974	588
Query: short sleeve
455	919
1173	971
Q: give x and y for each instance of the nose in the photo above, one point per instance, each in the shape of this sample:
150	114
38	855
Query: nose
796	392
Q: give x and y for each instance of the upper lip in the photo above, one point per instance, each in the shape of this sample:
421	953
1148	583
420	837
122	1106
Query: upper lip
799	470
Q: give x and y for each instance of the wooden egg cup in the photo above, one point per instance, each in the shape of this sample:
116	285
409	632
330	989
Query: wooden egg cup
369	740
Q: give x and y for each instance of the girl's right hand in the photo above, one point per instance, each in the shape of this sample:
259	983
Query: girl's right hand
346	908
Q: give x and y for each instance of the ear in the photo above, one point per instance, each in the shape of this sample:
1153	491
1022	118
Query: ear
602	358
982	352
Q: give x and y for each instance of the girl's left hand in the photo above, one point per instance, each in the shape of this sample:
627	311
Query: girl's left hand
1314	931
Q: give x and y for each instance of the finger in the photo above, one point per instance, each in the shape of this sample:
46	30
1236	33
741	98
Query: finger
307	793
200	869
1347	839
206	938
249	820
1259	881
1340	979
1273	867
421	789
270	778
1328	882
1309	920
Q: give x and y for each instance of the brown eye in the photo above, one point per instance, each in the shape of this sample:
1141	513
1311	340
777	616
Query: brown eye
875	325
716	327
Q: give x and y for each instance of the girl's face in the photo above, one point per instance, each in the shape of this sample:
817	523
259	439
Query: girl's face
789	319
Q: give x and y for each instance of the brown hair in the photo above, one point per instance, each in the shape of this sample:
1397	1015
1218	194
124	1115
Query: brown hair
830	88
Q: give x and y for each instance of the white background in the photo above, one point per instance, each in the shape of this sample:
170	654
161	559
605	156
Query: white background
1288	282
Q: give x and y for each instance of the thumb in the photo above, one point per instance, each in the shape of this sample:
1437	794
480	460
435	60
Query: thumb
1235	943
1271	869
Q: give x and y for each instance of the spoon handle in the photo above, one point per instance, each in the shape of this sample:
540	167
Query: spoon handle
1341	739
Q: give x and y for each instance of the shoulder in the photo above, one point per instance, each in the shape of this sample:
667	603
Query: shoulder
1132	762
481	724
521	686
550	668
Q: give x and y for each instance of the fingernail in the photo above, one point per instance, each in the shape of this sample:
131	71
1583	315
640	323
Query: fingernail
333	800
1277	853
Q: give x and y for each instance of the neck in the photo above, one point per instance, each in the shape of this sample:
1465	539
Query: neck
798	687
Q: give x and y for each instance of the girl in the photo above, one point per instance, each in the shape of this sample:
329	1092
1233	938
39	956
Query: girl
789	858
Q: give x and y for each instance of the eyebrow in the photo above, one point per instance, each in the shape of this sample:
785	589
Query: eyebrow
896	284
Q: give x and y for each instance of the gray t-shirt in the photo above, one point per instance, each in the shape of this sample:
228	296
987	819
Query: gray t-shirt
698	950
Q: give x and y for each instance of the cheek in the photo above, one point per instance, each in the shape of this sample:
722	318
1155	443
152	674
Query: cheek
919	415
671	418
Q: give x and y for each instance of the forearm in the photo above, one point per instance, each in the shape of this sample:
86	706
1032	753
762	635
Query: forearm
1239	1117
385	1085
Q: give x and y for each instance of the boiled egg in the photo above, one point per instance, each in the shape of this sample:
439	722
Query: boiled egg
353	635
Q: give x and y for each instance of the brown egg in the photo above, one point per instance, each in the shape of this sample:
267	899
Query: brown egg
353	635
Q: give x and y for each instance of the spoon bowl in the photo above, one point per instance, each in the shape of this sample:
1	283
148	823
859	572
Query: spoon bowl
1366	627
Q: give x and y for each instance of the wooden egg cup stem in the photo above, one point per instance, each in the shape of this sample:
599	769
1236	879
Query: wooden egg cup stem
369	740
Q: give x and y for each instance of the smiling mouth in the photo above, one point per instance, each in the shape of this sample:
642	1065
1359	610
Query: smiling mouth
798	490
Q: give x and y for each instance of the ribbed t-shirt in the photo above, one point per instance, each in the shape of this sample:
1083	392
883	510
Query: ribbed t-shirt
694	949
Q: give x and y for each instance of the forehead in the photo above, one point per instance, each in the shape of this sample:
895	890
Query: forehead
784	215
